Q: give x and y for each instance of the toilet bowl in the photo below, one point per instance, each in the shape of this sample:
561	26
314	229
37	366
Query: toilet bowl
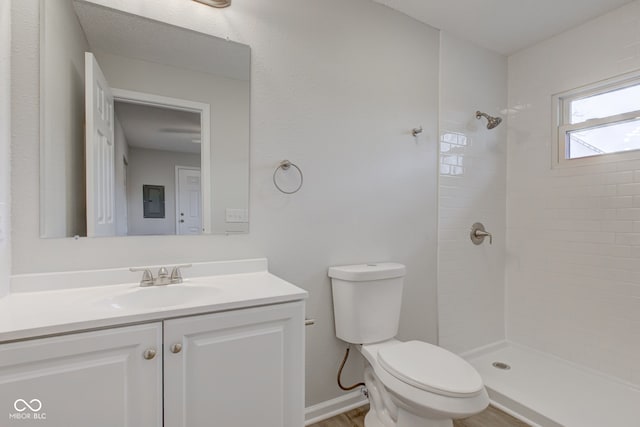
420	384
412	383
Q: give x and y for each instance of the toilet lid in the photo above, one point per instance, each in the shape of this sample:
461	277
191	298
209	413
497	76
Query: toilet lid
430	368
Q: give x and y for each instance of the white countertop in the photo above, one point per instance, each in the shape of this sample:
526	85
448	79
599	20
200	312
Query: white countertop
32	314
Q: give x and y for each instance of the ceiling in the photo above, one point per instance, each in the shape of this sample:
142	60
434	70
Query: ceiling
504	26
158	128
116	32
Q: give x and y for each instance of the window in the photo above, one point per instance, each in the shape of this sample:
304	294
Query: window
595	122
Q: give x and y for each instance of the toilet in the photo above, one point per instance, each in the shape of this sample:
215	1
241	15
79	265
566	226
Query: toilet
411	383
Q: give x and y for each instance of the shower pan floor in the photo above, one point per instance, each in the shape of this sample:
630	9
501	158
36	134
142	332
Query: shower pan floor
545	390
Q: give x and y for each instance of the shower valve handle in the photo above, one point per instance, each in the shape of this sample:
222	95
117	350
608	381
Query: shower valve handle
481	234
478	233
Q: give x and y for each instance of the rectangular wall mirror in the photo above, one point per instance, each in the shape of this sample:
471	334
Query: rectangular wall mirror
128	103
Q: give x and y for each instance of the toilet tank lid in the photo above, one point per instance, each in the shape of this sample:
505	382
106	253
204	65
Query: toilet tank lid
366	272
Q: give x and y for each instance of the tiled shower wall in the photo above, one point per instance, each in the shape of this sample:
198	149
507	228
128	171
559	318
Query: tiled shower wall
471	189
573	253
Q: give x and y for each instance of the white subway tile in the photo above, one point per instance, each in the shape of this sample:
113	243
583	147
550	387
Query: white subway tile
632	214
573	270
618	177
472	188
628	239
617	226
629	189
617	202
628	165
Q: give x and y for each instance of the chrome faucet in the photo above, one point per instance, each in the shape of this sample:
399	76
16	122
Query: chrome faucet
163	277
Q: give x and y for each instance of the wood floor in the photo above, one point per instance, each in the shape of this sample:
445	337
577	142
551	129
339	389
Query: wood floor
490	417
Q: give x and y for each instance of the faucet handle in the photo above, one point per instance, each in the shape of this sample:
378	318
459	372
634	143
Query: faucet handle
176	274
147	276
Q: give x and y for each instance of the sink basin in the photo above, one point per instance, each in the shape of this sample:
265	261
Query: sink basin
158	296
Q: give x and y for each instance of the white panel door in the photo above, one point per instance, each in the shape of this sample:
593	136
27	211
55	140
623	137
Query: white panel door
189	201
97	379
242	368
100	151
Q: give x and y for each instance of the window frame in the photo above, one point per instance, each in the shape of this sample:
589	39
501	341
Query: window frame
562	125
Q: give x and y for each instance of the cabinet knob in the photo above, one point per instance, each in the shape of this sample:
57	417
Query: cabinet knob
149	353
176	348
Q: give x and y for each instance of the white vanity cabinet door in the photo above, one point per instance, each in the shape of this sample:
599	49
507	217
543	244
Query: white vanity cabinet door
97	379
242	368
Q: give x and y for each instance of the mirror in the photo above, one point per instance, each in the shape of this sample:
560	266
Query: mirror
144	126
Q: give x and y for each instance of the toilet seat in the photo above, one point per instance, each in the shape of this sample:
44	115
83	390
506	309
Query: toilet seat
434	404
430	368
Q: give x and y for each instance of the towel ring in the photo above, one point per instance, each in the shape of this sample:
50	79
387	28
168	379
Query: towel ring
286	165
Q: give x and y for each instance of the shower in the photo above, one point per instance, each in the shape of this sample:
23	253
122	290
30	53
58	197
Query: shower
492	122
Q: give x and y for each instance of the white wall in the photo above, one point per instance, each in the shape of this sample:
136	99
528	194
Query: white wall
5	146
154	167
573	264
63	144
229	100
336	88
472	189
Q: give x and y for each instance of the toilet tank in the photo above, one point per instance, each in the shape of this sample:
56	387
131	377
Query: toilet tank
366	301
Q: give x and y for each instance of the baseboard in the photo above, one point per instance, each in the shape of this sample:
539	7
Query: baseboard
330	408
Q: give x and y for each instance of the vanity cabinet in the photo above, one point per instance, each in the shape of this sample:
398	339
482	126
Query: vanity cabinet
98	379
242	368
237	368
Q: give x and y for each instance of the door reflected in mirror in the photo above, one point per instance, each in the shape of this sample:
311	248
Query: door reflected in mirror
159	143
131	104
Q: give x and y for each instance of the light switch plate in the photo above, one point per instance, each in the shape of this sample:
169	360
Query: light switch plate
237	215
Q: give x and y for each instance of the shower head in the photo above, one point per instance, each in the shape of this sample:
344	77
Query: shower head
492	122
